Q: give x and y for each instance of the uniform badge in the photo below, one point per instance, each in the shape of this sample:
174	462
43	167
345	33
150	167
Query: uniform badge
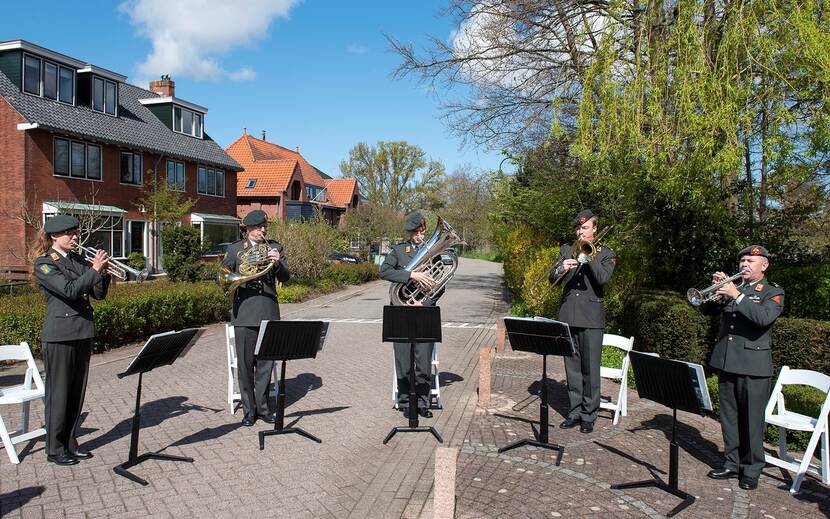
613	260
55	256
777	299
759	287
408	249
45	268
246	244
755	251
582	219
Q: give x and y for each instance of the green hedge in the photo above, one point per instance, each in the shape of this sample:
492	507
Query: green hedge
807	289
132	312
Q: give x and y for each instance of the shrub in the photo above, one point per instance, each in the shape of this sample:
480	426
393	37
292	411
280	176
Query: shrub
539	295
348	274
307	244
182	249
807	289
136	260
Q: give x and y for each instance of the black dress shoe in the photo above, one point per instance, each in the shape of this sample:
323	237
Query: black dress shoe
81	454
62	459
586	427
269	418
248	421
748	483
569	423
722	473
426	413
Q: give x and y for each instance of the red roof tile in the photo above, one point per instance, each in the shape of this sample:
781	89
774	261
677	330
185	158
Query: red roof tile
341	190
272	177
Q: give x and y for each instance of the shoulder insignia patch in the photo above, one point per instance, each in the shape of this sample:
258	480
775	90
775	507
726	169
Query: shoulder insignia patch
613	260
246	244
45	268
408	249
55	256
777	299
759	287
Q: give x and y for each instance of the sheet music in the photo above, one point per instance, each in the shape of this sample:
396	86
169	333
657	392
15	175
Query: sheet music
699	381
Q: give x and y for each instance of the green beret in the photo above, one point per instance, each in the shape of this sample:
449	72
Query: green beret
413	221
60	223
583	217
753	250
256	217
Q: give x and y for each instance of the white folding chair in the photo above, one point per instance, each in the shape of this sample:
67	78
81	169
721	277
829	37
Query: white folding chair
620	407
785	419
434	393
21	394
234	397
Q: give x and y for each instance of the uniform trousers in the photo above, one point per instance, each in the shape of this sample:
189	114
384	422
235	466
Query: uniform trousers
254	375
67	370
423	371
582	370
743	400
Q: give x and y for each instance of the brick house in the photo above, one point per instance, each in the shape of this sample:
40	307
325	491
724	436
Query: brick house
75	137
285	185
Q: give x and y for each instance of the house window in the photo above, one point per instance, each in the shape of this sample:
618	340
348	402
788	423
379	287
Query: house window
50	80
31	75
66	85
131	172
313	193
187	122
217	233
136	237
76	159
108	234
175	175
104	97
211	181
251	183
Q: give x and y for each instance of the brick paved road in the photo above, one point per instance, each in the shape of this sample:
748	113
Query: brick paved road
343	397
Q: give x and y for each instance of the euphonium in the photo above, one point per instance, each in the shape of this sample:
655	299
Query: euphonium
429	261
253	264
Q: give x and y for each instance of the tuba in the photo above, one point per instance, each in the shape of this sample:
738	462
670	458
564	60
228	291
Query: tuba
429	260
253	264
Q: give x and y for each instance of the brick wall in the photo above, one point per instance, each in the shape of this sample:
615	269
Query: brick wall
12	175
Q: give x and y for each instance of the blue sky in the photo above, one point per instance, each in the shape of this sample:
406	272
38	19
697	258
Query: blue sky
314	74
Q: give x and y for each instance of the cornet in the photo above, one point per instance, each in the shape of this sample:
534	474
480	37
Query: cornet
698	297
114	267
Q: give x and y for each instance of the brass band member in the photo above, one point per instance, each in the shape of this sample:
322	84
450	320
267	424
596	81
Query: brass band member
392	270
253	302
582	309
743	359
67	282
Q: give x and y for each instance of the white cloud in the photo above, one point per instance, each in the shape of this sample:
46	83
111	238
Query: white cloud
357	49
188	35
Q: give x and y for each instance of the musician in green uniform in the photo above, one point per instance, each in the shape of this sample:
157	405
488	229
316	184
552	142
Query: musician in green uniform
582	309
67	282
254	302
393	270
743	359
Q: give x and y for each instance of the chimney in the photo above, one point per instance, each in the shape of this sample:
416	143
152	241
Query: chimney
164	87
297	149
244	131
263	134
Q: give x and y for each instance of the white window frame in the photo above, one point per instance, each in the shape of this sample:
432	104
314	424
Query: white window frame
194	132
132	162
145	244
86	146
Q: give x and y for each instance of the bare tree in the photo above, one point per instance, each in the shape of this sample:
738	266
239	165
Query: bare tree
519	62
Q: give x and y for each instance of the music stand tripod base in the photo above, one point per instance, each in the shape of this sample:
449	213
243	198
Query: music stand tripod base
280	418
122	470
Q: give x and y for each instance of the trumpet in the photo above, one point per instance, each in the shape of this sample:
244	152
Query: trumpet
114	267
698	297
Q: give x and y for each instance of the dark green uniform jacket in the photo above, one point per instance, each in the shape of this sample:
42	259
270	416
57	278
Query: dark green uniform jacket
394	263
256	300
583	288
68	283
745	335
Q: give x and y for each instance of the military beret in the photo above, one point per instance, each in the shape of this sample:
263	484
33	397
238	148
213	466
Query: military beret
60	223
753	250
583	217
413	221
256	217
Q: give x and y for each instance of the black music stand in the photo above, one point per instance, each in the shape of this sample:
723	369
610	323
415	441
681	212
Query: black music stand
668	382
545	337
412	324
160	350
284	341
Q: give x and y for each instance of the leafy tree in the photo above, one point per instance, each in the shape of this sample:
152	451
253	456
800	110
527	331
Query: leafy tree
164	203
467	197
372	222
395	174
182	250
307	244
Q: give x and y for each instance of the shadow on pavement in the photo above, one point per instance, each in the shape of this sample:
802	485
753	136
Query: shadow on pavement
298	387
651	468
11	501
701	449
446	378
152	414
210	433
311	412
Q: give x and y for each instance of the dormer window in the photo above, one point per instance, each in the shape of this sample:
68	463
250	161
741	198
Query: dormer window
104	95
47	79
187	122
